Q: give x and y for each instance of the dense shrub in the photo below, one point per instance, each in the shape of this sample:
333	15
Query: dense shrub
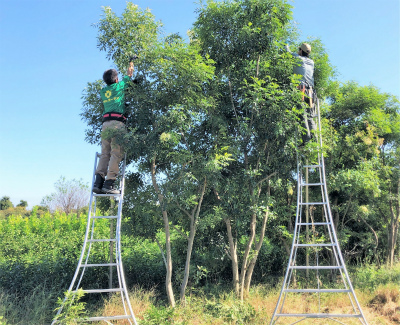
46	248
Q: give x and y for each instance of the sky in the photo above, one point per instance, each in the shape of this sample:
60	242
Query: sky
48	53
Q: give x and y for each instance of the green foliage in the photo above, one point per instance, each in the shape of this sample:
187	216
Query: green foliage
46	248
18	210
33	308
235	32
223	110
233	312
5	203
159	316
37	248
324	73
370	277
365	126
72	310
22	204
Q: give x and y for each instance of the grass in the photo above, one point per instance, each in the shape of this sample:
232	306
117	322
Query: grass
380	302
380	307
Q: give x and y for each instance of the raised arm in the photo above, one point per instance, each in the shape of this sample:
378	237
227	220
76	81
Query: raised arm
130	69
292	53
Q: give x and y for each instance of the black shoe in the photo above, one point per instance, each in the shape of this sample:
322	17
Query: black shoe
109	188
98	184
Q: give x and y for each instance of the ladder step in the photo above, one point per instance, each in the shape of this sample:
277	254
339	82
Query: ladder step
311	184
102	290
101	240
97	319
103	264
104	217
313	203
317	290
311	267
107	195
312	166
313	245
320	315
313	223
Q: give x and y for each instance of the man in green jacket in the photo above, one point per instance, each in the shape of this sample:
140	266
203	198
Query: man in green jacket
113	97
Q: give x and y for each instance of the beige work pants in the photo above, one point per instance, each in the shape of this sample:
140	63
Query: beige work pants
111	152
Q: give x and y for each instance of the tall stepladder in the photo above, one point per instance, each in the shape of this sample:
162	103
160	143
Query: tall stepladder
316	276
112	265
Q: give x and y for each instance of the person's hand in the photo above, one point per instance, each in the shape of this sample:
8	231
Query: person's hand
130	69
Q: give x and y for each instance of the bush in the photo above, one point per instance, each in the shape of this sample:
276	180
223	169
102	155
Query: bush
369	277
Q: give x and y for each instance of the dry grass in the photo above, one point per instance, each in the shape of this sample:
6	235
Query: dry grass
380	307
386	302
140	300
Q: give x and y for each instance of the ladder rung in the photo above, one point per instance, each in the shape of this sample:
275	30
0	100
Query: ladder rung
312	166
310	267
104	217
320	315
313	223
318	290
313	245
96	319
101	240
106	195
312	203
102	290
103	264
311	184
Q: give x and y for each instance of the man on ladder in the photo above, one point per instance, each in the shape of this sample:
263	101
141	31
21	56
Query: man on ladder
113	98
305	68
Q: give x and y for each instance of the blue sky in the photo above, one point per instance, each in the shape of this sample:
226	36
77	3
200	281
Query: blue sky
48	53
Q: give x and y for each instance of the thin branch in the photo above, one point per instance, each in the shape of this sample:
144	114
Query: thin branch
233	105
180	231
265	179
376	240
203	190
162	252
182	209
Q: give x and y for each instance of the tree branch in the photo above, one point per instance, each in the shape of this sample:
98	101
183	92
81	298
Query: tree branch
162	252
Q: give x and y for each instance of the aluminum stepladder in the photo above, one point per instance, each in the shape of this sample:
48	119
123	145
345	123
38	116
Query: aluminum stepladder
322	243
115	259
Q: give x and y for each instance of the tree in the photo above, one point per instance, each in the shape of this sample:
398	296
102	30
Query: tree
5	203
22	204
364	129
165	107
255	116
70	195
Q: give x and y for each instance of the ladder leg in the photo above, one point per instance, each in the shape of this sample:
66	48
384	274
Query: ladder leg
84	263
337	263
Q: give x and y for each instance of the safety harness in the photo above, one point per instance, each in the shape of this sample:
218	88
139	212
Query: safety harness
114	117
308	93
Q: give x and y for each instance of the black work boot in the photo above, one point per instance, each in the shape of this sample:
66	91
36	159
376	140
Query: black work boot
98	184
109	188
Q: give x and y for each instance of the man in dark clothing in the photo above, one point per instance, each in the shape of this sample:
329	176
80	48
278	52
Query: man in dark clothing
305	68
113	97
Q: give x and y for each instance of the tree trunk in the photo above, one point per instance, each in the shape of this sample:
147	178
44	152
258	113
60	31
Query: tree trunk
168	265
193	223
247	253
257	250
187	264
393	233
233	256
394	207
